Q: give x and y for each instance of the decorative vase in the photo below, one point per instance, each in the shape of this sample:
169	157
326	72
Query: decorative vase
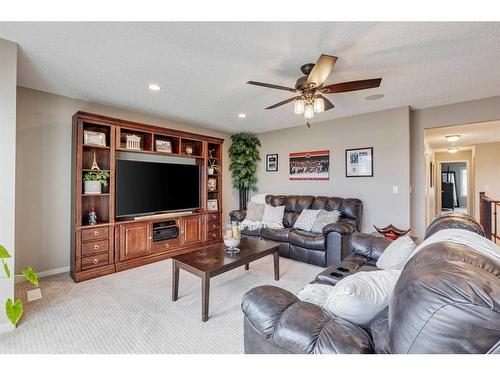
92	187
232	237
211	171
92	217
243	198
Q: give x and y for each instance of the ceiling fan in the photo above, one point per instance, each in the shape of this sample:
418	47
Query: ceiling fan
310	90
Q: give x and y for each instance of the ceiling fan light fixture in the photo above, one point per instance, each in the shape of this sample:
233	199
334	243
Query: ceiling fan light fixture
319	105
309	111
299	107
452	138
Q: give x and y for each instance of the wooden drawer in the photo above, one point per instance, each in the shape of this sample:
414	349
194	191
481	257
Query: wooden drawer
214	217
95	234
89	248
214	225
166	246
94	261
214	235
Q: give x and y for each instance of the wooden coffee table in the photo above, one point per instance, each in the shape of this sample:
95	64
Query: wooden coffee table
210	261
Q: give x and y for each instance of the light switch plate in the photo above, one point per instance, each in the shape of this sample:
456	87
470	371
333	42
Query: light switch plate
33	295
395	189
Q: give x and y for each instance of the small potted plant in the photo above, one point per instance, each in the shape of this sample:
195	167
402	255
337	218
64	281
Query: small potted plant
213	167
93	182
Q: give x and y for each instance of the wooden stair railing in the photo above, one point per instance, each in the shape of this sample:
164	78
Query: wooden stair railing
488	209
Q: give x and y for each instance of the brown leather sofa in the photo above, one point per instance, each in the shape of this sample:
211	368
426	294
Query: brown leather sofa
447	300
321	249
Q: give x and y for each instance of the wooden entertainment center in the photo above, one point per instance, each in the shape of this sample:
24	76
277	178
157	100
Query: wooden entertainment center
115	244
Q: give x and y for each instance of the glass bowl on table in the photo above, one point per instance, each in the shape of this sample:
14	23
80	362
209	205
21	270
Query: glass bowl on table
232	237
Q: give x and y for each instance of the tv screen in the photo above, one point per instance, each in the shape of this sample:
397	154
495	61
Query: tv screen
148	188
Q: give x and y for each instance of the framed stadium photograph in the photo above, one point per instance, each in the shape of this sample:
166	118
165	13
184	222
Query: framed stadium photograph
359	162
312	165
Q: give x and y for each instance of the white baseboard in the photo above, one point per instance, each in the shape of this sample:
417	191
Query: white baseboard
6	327
55	271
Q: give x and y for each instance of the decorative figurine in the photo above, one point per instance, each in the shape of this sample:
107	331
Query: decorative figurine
189	150
391	232
92	217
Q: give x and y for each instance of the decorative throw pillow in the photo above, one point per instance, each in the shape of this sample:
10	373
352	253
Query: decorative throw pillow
273	216
324	218
396	254
360	297
306	219
255	211
259	198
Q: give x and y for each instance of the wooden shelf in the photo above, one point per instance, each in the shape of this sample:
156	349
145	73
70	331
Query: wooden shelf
96	195
213	191
97	146
93	170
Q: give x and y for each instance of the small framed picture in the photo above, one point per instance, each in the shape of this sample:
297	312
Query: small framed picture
359	162
94	138
163	146
272	162
212	205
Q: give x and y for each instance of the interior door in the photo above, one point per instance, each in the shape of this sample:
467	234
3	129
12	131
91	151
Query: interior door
135	240
192	227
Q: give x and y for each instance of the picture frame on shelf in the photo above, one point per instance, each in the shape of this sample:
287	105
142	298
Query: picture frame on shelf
359	162
94	138
163	146
212	205
271	162
133	142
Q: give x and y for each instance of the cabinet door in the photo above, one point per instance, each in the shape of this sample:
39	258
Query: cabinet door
135	240
192	227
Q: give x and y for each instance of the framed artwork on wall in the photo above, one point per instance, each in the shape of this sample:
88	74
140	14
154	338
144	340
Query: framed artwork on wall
271	162
312	165
359	162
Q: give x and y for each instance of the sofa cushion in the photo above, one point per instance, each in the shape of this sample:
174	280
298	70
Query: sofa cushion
255	211
306	239
306	219
289	219
249	232
324	218
273	216
296	203
275	234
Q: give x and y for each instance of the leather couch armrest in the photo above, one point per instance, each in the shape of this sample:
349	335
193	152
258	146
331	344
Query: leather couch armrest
341	227
368	245
300	327
238	215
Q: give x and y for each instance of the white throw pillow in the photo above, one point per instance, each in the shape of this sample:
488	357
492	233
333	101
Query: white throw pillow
259	198
315	293
306	219
360	297
324	218
396	254
273	216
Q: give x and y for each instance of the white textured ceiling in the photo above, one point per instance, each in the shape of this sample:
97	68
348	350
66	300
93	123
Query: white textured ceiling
470	135
202	67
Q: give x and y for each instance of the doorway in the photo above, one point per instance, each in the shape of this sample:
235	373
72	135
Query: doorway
453	186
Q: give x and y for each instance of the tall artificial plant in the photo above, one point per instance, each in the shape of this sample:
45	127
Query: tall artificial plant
244	155
14	310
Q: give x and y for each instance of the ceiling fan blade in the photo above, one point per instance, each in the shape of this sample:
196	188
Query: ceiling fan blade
327	104
271	86
321	70
283	102
351	86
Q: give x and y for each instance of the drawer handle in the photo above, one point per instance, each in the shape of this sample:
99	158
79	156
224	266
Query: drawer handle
167	245
214	226
96	247
96	261
96	233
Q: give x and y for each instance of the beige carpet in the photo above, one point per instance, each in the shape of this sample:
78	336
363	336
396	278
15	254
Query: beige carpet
132	311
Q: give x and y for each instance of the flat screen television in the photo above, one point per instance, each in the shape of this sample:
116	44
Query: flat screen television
145	188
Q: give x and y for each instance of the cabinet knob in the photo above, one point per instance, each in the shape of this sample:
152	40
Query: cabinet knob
96	233
214	235
182	232
150	237
96	261
214	226
167	245
96	247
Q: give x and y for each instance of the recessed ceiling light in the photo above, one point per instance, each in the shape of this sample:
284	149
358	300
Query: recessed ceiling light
154	87
453	150
242	115
375	97
452	138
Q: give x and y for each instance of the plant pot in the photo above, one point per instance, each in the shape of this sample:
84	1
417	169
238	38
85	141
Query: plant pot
211	171
92	187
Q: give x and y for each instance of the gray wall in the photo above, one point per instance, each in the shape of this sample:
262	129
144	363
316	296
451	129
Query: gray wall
43	185
386	131
474	111
8	78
